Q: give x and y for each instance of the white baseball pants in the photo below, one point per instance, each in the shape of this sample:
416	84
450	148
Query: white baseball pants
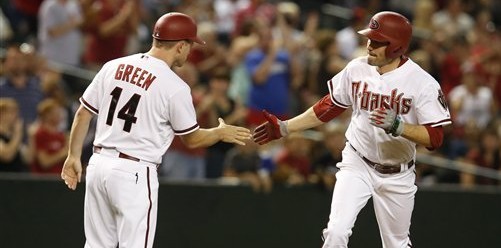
120	202
392	195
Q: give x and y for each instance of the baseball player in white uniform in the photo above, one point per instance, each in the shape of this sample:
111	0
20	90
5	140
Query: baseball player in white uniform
140	105
395	106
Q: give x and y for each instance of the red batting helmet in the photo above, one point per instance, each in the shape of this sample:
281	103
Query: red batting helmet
390	27
176	26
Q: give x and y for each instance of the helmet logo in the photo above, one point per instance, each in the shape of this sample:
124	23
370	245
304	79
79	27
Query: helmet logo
374	24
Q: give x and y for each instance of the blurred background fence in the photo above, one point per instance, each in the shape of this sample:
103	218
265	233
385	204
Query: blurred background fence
41	212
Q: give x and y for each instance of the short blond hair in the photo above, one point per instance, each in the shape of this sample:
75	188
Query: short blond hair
47	105
7	104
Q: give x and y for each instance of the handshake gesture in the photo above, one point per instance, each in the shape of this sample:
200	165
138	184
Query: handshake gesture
272	129
388	120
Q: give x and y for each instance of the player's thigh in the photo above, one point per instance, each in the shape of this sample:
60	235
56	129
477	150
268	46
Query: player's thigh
131	186
394	203
99	218
351	193
134	188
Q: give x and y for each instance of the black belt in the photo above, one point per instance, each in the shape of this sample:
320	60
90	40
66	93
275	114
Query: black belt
382	168
98	149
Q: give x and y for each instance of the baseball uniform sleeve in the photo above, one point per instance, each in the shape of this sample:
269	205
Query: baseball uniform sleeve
91	97
339	89
432	108
182	113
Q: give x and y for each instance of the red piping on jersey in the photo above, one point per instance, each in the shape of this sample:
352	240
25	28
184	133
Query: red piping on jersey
88	106
149	208
326	110
186	130
436	136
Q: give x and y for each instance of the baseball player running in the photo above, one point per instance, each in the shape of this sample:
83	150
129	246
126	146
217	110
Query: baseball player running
140	105
395	105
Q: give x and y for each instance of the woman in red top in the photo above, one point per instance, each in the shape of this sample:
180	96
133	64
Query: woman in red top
50	144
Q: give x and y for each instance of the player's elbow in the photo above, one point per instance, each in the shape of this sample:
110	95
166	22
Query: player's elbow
436	137
193	145
190	143
82	114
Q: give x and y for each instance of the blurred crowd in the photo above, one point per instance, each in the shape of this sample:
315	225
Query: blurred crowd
273	55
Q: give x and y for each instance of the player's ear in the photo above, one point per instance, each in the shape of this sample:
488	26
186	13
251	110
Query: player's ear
179	46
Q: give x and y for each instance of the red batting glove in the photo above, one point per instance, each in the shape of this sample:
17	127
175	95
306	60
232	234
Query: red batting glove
272	129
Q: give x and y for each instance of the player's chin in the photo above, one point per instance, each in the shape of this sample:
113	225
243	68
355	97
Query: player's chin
372	60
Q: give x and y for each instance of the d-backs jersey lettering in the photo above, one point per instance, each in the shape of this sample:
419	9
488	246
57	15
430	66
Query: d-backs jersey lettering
411	91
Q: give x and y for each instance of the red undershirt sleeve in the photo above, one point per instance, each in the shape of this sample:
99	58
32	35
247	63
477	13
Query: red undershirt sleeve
436	136
326	110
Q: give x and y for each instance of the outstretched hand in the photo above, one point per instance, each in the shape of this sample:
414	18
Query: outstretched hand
72	172
388	120
272	129
233	134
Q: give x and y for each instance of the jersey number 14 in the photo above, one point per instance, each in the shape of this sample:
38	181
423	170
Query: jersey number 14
126	113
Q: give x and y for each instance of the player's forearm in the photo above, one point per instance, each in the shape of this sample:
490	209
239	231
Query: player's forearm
306	120
417	134
79	130
201	138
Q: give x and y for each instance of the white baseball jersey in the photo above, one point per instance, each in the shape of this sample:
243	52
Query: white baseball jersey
411	91
417	97
142	104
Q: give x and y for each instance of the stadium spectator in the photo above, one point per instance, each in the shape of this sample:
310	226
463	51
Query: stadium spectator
471	103
12	151
217	104
273	72
347	38
6	32
108	25
244	163
59	22
487	155
293	163
256	9
50	143
22	15
53	86
452	21
239	47
326	61
208	57
325	165
18	84
225	11
457	55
